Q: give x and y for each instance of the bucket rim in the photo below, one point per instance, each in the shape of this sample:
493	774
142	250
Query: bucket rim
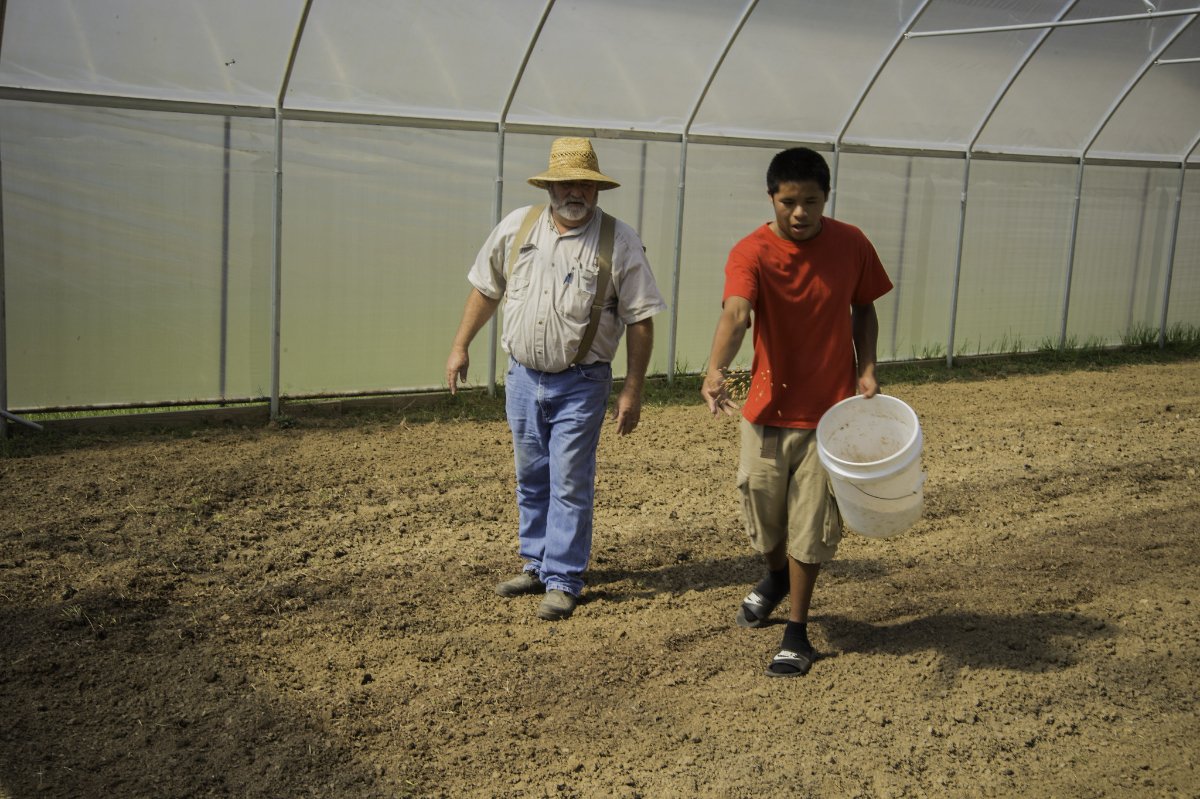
892	463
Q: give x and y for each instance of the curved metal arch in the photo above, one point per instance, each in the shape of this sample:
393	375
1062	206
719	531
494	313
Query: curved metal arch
1104	120
983	122
683	146
862	97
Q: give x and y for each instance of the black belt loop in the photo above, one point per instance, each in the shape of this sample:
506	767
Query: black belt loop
770	443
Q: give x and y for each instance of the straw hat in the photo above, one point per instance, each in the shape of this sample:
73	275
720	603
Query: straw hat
573	158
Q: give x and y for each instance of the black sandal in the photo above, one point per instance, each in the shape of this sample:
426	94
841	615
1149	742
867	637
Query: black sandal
790	663
755	610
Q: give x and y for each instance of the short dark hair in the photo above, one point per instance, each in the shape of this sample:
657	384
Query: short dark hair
797	165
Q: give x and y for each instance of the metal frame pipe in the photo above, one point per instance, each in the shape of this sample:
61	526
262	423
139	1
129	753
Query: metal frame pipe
956	281
225	222
1027	26
1147	64
862	98
966	183
6	417
1069	276
277	214
4	431
3	321
482	126
1136	277
116	101
901	247
498	197
1166	298
680	196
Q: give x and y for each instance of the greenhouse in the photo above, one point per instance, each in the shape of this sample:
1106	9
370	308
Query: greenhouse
237	201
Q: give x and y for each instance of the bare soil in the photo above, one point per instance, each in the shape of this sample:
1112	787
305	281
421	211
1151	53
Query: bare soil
308	611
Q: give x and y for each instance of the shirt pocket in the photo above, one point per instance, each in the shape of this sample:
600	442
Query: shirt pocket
577	293
518	282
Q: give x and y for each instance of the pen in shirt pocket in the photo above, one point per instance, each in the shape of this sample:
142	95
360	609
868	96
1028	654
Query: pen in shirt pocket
567	280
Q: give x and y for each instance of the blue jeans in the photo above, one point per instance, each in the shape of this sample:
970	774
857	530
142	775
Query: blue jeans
555	420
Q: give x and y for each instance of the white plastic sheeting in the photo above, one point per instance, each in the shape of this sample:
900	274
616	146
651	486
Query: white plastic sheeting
1021	173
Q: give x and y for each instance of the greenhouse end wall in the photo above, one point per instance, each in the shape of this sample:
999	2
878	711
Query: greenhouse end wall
222	201
138	250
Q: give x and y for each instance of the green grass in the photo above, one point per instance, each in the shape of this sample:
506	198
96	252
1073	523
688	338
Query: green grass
50	416
685	389
1183	344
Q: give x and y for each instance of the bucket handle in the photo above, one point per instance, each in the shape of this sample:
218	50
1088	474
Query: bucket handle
886	499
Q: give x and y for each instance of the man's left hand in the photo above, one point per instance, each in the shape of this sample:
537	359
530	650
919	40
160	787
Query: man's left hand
627	411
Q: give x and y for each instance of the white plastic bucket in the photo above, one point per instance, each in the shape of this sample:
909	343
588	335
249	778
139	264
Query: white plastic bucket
872	451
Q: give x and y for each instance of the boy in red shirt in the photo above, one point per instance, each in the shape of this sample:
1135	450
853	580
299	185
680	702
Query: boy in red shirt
809	283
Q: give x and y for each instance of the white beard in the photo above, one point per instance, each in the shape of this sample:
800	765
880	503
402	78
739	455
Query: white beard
572	211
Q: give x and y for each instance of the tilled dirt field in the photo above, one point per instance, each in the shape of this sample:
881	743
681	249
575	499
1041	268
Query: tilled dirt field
308	611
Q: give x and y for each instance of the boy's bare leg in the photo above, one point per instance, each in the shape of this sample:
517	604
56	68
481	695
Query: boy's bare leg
796	654
803	578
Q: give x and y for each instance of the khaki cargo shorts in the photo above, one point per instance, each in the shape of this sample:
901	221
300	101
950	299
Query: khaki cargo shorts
786	494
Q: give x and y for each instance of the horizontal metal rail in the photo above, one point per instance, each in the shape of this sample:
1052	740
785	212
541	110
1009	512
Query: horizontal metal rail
1066	23
119	101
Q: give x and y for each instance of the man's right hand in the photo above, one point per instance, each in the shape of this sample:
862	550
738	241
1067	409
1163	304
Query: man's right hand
478	311
456	368
715	394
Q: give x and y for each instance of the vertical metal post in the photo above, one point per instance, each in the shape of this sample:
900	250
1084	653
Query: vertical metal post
957	281
277	215
1104	120
497	215
498	198
1137	251
1166	298
4	431
225	262
276	261
1066	303
899	281
679	198
962	219
641	206
833	183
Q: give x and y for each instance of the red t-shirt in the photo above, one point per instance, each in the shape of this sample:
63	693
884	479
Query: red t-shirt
801	293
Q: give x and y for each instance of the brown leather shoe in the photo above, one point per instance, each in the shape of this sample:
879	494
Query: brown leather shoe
556	606
526	582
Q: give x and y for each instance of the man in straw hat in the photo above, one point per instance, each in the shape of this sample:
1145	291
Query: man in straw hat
810	284
572	279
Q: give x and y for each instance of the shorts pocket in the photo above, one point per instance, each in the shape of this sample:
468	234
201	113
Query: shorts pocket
751	523
832	530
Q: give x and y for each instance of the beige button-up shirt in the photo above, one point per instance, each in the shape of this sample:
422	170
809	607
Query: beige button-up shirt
548	296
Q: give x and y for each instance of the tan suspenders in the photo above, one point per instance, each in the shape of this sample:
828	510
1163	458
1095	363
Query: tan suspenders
608	234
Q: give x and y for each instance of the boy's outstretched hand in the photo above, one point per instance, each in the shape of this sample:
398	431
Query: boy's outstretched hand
716	394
